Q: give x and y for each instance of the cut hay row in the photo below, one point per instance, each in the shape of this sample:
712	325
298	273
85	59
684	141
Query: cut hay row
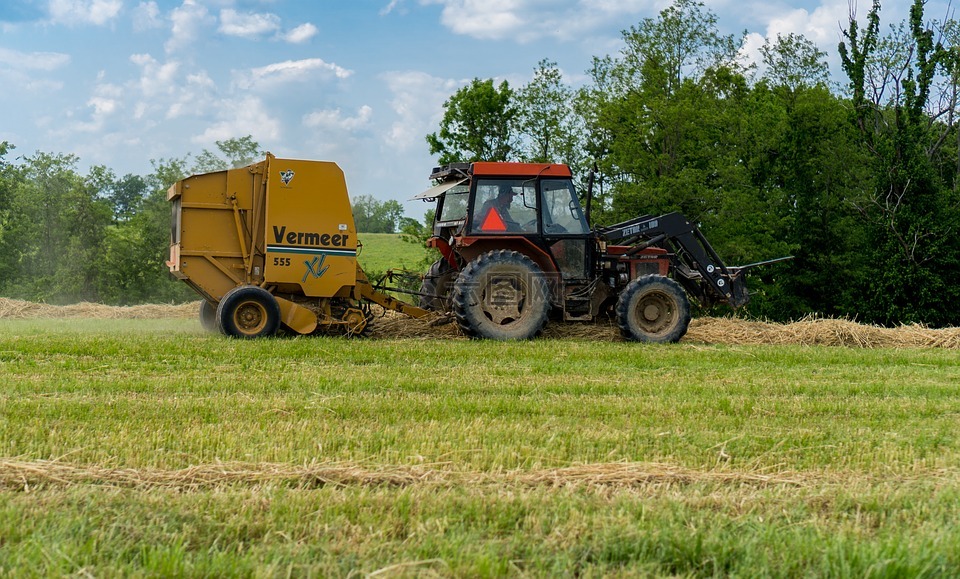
820	332
726	331
11	309
19	475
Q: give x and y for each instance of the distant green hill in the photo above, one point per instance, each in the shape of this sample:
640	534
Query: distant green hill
383	251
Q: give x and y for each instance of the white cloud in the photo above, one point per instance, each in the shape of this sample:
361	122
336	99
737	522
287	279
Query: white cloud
525	21
102	106
97	12
389	7
33	60
245	116
201	80
146	16
750	51
197	97
301	33
418	103
155	78
291	71
484	19
822	26
334	119
248	24
188	20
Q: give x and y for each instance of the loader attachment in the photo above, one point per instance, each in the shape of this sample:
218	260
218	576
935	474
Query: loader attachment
738	269
696	264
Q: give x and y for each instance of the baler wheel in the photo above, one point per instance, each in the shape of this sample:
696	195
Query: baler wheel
501	295
248	312
653	308
208	316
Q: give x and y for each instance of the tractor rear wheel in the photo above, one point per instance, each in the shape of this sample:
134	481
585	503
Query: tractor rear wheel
653	308
501	295
435	289
208	316
248	311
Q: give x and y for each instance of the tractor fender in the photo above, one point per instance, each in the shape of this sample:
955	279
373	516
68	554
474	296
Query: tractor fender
471	247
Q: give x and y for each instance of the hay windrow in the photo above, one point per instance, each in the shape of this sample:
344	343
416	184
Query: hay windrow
709	330
25	475
11	309
733	331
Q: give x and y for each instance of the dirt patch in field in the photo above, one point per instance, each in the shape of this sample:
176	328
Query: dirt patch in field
729	331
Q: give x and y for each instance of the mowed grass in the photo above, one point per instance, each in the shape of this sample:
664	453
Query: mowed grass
466	458
383	251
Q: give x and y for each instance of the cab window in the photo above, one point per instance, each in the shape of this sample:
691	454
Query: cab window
454	204
561	210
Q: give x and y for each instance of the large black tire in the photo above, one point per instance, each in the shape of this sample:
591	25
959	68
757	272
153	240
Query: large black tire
436	286
653	308
501	295
208	316
248	311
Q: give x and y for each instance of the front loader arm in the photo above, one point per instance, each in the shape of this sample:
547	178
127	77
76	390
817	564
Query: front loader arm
697	266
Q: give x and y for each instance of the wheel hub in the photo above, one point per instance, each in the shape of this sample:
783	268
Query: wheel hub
657	313
503	300
651	312
250	317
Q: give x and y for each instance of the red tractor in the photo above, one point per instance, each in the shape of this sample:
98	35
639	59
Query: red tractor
517	249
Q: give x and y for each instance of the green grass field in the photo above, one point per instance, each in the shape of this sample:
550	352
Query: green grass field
151	448
383	251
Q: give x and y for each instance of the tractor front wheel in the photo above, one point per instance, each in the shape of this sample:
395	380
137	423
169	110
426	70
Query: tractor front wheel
248	311
653	308
501	295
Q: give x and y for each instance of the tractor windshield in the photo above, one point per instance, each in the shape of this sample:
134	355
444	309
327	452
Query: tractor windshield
505	206
561	209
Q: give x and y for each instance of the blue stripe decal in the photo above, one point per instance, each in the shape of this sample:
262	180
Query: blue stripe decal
310	250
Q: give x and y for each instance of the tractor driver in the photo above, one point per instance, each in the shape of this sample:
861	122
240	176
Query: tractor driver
502	203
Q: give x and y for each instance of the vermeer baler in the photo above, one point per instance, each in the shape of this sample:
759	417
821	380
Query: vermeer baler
270	245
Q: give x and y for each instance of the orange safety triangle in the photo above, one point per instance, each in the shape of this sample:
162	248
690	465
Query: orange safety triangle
493	221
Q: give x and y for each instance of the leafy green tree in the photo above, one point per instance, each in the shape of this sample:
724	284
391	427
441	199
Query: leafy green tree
137	249
208	162
683	42
237	152
11	177
911	213
374	216
57	223
240	152
547	120
764	169
478	124
126	195
794	62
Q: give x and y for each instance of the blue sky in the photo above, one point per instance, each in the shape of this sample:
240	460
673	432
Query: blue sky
359	82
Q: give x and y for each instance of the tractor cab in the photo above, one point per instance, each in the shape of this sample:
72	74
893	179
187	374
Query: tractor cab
532	208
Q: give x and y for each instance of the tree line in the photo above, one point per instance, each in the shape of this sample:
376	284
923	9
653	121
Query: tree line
67	237
858	181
